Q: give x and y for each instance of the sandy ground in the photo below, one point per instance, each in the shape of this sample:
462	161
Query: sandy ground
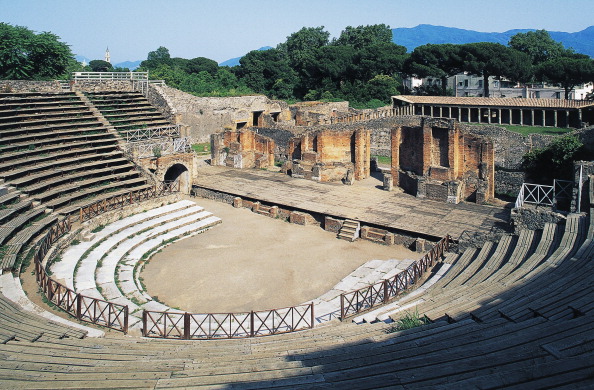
252	262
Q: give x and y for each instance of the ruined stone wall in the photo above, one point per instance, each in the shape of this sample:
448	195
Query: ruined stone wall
334	146
204	116
103	85
19	86
311	113
242	149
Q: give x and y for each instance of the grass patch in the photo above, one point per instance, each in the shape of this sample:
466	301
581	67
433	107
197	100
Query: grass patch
98	229
408	321
202	148
383	160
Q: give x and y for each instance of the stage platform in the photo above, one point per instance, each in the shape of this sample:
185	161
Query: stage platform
364	201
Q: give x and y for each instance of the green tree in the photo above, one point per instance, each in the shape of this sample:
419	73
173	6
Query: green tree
488	59
157	58
200	64
26	55
538	45
364	36
441	61
100	66
268	72
567	72
554	161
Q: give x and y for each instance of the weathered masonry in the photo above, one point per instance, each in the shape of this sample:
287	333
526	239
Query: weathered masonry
330	155
242	149
438	161
507	111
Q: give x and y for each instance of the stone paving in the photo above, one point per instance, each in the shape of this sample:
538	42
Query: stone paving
364	201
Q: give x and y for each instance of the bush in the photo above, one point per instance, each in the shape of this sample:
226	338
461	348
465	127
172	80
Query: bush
553	162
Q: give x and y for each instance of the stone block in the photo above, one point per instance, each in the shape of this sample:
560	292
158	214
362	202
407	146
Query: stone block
390	238
237	203
332	224
274	212
298	218
388	182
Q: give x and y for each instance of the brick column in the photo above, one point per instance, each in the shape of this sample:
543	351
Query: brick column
396	134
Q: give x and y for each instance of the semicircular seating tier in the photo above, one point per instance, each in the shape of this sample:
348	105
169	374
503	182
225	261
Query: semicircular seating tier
56	156
107	266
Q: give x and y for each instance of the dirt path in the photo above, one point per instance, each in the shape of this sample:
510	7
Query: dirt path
252	262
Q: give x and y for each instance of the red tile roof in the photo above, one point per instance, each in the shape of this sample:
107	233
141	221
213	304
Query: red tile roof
494	102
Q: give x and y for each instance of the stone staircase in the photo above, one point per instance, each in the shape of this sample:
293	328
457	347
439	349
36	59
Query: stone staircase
350	230
97	114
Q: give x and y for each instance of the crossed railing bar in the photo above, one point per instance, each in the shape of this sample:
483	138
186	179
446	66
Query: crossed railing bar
363	299
84	308
188	326
152	132
543	195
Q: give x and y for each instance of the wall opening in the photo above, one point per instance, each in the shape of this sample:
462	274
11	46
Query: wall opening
240	125
257	118
439	146
179	172
275	116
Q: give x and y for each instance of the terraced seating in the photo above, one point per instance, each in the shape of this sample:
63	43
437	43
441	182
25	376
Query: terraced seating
127	111
118	249
59	156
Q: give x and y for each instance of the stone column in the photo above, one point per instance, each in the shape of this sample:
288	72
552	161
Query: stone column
499	115
511	118
396	133
555	116
566	118
521	117
489	115
459	114
531	117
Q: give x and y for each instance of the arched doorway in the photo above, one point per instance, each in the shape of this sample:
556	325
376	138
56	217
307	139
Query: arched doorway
180	173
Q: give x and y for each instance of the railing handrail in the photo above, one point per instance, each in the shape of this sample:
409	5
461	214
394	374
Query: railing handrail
209	326
379	293
137	76
84	308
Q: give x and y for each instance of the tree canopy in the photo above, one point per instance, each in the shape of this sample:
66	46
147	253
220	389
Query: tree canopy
25	55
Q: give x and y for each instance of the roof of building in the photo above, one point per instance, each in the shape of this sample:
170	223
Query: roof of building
494	102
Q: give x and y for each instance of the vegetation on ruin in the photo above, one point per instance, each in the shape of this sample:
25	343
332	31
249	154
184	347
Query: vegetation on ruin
555	161
411	319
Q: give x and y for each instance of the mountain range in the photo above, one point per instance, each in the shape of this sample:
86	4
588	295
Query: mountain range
581	41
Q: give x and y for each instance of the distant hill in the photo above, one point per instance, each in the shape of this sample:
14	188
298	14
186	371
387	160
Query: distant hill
235	61
128	64
581	41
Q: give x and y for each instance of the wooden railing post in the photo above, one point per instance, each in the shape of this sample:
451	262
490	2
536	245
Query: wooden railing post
341	307
144	329
252	324
186	326
78	307
125	319
386	297
312	315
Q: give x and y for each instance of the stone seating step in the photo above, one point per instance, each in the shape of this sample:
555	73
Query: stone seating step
89	269
63	271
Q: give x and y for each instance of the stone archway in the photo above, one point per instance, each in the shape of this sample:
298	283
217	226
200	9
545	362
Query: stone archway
179	172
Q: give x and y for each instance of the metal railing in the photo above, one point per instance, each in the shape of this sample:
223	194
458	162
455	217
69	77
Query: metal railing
157	148
363	299
135	76
152	132
543	195
84	308
118	201
187	326
369	115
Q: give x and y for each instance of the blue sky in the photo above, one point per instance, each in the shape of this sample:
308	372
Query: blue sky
229	28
